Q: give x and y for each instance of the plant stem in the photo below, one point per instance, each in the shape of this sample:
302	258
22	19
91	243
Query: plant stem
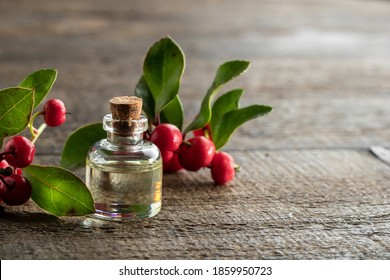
158	119
40	130
31	124
5	183
6	153
206	133
187	143
32	132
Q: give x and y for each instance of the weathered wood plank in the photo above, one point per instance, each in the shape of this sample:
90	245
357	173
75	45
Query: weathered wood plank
324	66
316	204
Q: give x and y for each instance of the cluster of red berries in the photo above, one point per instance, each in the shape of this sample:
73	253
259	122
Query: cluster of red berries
192	154
19	152
14	188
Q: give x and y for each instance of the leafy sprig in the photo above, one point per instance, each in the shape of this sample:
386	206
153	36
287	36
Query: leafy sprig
159	87
59	191
54	189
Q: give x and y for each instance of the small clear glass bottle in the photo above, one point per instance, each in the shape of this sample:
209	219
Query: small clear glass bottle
124	171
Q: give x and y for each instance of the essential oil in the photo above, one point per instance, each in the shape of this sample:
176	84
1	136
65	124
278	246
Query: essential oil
124	171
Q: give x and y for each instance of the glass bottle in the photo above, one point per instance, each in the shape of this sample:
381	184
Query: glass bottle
124	171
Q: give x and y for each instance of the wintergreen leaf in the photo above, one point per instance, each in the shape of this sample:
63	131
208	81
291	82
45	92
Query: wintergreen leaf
59	191
15	110
225	73
142	91
41	82
163	68
227	102
233	119
173	113
78	144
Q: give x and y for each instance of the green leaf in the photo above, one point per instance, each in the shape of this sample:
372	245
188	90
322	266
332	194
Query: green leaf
233	119
142	91
78	144
173	113
15	110
163	68
41	82
59	191
225	103
225	73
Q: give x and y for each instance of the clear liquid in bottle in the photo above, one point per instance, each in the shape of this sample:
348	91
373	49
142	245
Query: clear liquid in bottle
124	171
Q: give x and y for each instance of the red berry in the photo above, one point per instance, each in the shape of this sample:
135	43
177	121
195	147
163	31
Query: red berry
20	151
54	112
18	190
167	137
173	165
197	155
6	169
222	168
18	171
205	131
198	132
166	156
4	164
3	190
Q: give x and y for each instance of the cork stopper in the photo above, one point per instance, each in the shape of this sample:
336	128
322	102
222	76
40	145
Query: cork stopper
125	108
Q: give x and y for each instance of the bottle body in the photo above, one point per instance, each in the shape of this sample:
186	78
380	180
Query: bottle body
124	177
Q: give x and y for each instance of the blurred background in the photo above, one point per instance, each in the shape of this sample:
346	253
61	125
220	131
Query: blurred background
323	64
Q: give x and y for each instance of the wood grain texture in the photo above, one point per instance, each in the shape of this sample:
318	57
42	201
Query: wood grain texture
316	204
323	65
308	187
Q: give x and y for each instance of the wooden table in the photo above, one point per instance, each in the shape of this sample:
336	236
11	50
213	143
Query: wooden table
308	187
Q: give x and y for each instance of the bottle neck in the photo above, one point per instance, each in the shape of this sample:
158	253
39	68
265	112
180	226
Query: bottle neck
128	132
134	139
